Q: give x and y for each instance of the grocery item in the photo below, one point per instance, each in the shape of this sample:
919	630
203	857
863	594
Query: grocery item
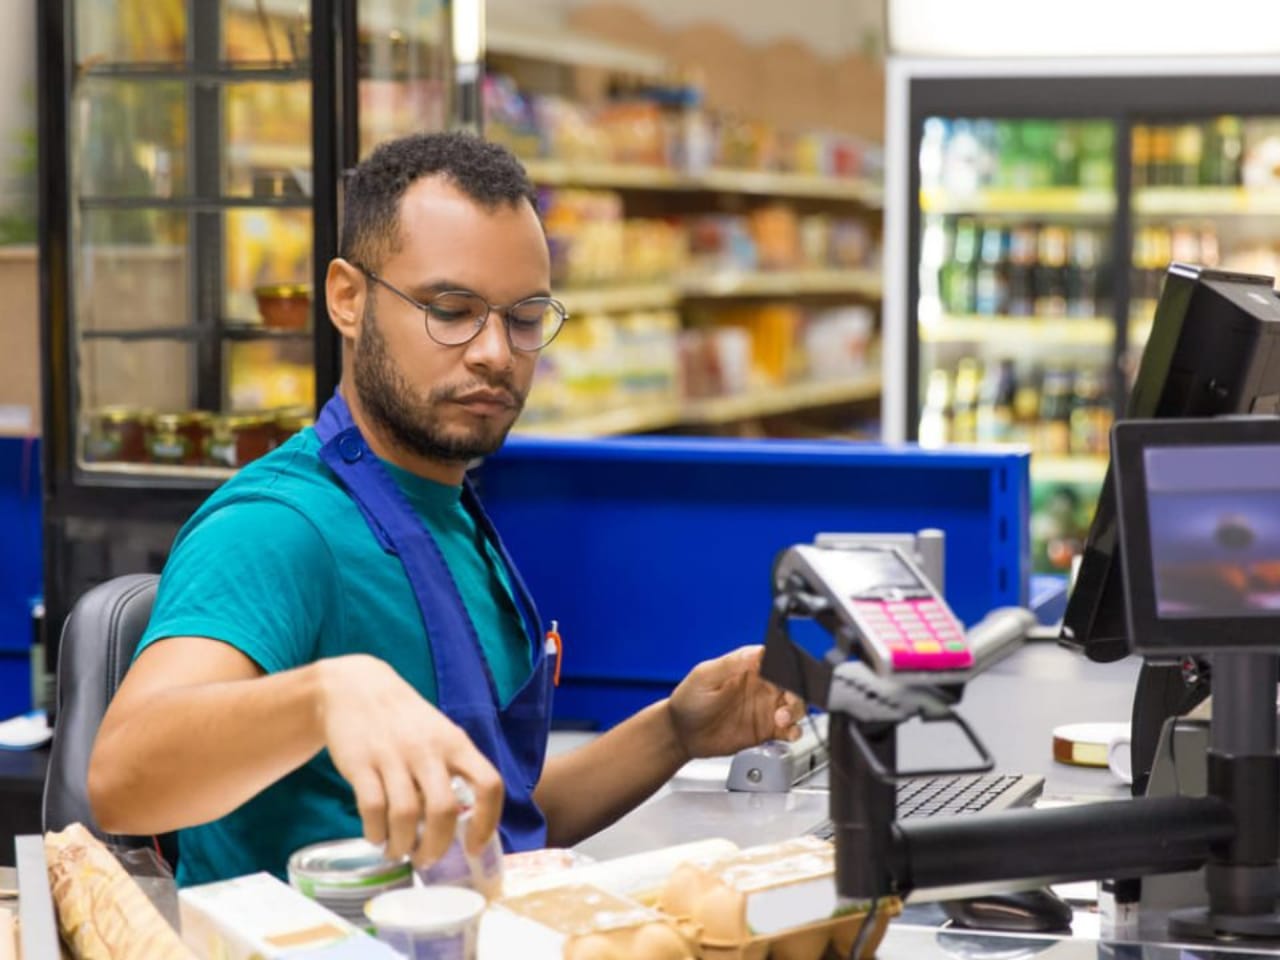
428	923
180	439
238	438
102	913
117	435
257	917
482	871
284	306
778	899
343	875
581	922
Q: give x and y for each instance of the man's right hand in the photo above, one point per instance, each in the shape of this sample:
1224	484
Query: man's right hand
399	754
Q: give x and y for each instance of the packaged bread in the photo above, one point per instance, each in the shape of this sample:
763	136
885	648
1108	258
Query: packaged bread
777	900
581	922
102	913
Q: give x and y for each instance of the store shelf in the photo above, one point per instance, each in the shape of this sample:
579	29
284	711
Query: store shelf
193	204
1060	330
796	396
224	73
761	402
1206	201
649	416
1046	200
633	177
142	333
617	299
256	331
1080	469
784	283
536	42
157	471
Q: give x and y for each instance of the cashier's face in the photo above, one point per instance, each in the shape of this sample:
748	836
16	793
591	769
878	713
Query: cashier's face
450	403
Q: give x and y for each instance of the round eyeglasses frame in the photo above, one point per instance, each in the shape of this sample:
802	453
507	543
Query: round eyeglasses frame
555	306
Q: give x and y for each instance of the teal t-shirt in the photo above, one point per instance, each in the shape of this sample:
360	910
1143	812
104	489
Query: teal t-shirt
280	564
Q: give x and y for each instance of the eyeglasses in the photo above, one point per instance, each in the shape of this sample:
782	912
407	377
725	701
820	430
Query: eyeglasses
455	317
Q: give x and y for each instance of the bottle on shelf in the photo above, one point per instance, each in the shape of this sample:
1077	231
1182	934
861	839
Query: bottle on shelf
991	288
1026	405
1053	432
1160	171
964	406
1097	155
1188	150
1140	155
1081	280
958	278
1020	276
1050	272
935	418
1091	414
996	403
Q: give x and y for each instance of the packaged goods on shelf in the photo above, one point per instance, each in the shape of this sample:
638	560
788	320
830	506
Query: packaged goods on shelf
837	342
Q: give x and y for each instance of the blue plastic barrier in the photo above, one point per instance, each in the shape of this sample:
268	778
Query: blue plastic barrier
20	567
654	553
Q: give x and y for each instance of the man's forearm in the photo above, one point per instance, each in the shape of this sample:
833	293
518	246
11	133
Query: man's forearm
584	791
197	752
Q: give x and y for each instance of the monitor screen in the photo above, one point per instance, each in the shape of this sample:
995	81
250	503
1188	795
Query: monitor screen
1199	526
1214	349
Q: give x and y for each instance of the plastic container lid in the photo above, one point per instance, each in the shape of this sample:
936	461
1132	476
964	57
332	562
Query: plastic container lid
426	910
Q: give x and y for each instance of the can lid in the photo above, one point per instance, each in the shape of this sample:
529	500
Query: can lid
425	910
347	862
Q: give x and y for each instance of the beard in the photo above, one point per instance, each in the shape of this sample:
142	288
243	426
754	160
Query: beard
411	419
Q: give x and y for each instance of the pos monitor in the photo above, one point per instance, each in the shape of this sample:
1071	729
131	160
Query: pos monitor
1199	520
1214	349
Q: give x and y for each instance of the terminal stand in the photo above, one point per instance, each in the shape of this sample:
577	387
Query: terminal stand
1243	876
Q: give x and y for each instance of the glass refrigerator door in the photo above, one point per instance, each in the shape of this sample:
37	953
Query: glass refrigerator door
190	182
1016	308
404	84
1206	190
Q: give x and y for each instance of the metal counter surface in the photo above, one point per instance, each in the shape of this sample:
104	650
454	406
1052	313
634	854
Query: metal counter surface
1013	707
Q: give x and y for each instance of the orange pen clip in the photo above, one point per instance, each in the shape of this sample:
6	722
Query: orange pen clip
553	638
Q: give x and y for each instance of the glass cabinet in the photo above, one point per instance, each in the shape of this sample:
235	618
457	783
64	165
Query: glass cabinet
190	178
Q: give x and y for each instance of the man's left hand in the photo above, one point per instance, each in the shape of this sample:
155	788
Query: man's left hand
724	706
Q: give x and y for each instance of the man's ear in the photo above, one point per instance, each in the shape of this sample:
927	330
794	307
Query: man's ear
344	292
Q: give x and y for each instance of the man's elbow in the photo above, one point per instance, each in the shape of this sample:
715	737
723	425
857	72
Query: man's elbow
108	793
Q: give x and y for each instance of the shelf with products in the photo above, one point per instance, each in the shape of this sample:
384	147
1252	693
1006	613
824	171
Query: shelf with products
192	204
620	176
1206	201
1039	201
1083	469
229	331
708	411
224	72
1001	329
784	283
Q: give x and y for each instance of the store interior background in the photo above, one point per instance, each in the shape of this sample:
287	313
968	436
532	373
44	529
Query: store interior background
745	305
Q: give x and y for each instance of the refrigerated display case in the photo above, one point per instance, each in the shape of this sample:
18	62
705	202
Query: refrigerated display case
1031	208
190	160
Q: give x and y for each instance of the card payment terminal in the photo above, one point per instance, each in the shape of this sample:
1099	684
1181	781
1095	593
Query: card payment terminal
890	613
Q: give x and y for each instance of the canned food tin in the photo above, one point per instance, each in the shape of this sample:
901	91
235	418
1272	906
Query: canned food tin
343	875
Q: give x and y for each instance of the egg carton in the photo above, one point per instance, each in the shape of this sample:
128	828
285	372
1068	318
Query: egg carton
777	900
583	922
824	938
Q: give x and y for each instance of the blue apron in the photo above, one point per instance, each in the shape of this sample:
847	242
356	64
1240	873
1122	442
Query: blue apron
515	738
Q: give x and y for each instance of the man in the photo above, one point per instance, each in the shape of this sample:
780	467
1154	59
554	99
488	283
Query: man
338	631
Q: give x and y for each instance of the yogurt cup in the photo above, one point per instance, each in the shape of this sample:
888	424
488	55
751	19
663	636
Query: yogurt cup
428	923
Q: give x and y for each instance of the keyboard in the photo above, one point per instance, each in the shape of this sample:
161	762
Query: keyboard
957	795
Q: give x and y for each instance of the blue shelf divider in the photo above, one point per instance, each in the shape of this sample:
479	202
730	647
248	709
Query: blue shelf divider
20	567
655	553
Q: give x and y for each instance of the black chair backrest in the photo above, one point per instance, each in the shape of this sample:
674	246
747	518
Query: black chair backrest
98	642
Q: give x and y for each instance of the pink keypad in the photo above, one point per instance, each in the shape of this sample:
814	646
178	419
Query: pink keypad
920	634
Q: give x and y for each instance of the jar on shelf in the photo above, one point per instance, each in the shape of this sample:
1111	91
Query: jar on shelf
116	435
290	420
238	438
180	439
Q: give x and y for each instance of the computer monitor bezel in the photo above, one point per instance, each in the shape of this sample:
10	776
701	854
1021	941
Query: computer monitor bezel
1150	634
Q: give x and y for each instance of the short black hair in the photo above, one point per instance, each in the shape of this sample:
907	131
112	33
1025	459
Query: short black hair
486	172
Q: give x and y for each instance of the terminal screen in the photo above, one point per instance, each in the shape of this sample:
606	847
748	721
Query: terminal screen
1215	530
866	571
